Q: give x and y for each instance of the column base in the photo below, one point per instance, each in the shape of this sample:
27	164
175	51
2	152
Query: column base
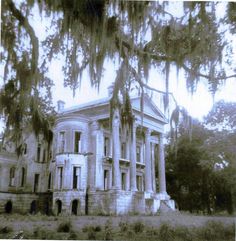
163	196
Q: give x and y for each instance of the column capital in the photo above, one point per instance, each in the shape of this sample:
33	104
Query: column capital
148	132
116	118
95	126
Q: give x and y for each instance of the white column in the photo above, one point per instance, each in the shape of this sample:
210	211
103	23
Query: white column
133	184
148	171
116	150
128	141
153	167
92	160
94	169
161	167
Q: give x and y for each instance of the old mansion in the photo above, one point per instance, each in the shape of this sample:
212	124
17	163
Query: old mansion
94	167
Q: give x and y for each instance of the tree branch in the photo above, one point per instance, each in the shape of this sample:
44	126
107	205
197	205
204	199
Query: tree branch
34	40
122	43
186	68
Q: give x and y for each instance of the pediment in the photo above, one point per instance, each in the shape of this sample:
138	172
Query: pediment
149	108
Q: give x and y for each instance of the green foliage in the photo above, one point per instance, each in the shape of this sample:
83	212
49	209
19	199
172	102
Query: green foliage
64	227
139	34
6	229
201	170
222	116
138	227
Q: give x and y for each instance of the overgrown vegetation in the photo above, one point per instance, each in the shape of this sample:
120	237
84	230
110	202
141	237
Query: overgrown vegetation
211	230
201	166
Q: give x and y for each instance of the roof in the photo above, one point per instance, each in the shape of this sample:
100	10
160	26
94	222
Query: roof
98	108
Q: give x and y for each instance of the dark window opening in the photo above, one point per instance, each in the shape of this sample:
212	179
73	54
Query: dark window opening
33	207
44	156
25	149
77	142
76	177
38	152
123	181
8	207
49	181
36	182
23	175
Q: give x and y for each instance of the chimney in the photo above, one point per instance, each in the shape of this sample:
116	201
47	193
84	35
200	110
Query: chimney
60	105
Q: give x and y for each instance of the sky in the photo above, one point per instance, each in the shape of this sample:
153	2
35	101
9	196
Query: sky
198	104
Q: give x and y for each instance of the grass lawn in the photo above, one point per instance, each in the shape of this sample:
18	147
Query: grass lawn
169	226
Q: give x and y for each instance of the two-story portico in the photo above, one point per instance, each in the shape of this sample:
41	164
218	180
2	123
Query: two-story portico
102	167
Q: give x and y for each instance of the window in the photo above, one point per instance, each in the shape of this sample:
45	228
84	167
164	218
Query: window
76	177
44	156
123	181
12	176
38	152
62	142
106	146
36	182
60	177
138	155
123	150
23	174
49	181
25	149
139	181
77	142
106	180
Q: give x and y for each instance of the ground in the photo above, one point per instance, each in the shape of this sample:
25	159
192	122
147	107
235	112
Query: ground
120	227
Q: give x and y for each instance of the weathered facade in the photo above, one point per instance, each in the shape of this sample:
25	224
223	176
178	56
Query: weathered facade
95	166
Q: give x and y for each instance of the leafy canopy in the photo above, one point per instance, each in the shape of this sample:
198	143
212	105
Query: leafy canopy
139	34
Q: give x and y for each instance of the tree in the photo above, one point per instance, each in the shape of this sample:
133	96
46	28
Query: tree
201	170
222	116
141	35
222	144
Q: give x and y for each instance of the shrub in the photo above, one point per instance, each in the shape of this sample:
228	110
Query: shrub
6	230
166	233
108	230
64	227
183	233
97	228
91	234
73	235
124	226
216	231
138	227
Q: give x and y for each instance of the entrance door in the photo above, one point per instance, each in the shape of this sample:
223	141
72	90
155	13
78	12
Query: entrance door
74	207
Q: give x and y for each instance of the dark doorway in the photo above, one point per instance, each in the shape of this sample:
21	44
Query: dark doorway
59	206
46	208
33	207
8	207
74	207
